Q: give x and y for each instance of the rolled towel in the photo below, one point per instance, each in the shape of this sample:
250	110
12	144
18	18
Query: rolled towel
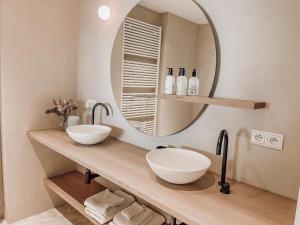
100	218
132	210
156	219
140	219
104	201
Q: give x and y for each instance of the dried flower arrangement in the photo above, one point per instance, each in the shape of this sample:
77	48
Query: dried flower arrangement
63	109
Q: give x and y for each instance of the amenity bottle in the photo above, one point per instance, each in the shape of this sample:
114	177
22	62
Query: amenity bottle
170	83
182	83
193	89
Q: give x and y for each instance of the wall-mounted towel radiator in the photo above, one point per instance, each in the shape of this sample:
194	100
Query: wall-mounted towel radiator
140	72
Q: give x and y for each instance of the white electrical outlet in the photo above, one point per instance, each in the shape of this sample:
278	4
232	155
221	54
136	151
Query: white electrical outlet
90	103
267	139
258	137
275	141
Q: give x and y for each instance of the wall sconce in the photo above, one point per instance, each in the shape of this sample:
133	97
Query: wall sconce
104	12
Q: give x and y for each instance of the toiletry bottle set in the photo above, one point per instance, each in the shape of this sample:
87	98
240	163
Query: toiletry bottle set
183	85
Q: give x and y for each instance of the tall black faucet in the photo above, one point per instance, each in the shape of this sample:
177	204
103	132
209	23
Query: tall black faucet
225	186
94	109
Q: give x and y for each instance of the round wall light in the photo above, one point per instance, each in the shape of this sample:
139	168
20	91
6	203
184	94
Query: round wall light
104	12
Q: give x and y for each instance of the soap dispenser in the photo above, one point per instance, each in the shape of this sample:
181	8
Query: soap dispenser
181	83
193	89
170	83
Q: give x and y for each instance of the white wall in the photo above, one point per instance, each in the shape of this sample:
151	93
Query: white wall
260	60
38	62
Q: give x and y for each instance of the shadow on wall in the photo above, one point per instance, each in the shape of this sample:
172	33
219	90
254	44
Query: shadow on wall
216	161
232	163
246	167
53	164
116	131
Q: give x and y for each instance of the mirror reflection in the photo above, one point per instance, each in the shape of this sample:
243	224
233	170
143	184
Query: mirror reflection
163	49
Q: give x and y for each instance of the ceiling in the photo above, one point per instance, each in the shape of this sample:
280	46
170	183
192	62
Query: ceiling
184	8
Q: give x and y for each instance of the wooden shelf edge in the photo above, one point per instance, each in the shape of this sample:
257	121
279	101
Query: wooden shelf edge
53	186
234	103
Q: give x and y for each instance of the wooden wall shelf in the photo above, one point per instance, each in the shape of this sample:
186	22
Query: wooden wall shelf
243	104
71	188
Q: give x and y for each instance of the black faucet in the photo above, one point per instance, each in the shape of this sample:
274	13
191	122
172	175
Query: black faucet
94	109
89	176
225	186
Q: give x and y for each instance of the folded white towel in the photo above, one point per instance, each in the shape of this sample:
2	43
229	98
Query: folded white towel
98	217
101	218
103	202
132	210
139	219
155	219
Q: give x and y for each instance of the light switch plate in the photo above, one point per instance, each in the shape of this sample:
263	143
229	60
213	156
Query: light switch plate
258	137
275	141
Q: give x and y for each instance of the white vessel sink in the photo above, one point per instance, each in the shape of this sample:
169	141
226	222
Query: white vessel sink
178	166
88	134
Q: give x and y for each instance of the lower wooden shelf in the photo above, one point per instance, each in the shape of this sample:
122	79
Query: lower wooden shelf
71	188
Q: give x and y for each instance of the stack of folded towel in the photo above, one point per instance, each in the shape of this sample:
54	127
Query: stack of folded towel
137	214
103	206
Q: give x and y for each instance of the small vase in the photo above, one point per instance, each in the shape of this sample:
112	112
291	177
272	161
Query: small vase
63	125
73	121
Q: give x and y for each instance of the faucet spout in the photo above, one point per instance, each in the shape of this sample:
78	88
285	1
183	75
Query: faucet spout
223	138
94	109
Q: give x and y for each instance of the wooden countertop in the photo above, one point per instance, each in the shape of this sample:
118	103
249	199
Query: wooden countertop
199	203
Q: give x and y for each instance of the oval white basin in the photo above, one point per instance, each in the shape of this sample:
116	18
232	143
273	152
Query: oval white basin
88	134
178	166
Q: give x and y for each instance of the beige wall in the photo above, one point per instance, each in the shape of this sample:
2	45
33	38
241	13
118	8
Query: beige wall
178	50
1	170
192	46
206	58
38	62
205	63
146	15
260	52
116	68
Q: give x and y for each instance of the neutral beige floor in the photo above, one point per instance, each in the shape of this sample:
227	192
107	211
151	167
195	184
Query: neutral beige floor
63	215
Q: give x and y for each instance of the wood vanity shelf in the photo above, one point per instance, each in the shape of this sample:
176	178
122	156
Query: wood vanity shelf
71	188
243	104
199	203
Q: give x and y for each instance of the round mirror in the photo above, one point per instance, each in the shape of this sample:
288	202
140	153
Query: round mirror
163	49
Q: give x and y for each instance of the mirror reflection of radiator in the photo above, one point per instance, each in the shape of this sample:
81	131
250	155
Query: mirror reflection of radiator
140	72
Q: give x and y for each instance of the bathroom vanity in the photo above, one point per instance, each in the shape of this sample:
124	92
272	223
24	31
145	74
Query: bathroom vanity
199	203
